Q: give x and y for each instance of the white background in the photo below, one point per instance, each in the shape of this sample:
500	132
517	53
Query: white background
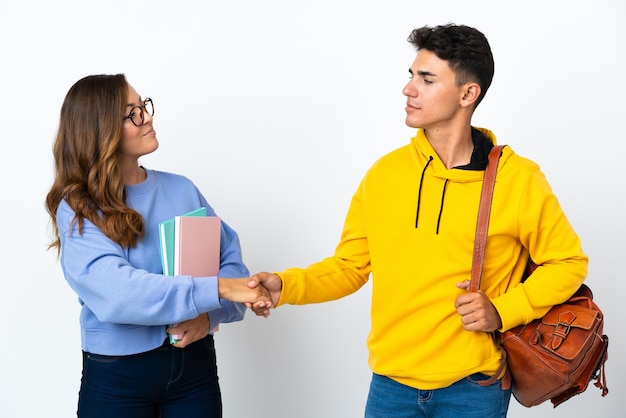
275	109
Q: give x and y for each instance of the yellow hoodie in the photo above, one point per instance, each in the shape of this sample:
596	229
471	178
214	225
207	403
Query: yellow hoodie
411	223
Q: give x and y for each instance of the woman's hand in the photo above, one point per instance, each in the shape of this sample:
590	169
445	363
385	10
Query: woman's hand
191	330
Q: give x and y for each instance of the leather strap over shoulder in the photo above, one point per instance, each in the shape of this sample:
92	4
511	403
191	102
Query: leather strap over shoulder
484	212
480	242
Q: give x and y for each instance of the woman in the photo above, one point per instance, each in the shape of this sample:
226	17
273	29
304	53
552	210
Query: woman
105	210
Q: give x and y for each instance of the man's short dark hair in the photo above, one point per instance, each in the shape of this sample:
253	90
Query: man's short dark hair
465	48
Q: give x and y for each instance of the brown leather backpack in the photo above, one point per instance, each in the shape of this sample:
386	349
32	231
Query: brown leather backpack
554	357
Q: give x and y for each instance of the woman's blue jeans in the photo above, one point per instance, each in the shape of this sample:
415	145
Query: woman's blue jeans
166	382
465	398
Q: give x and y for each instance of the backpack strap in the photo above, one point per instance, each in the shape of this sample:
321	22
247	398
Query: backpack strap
484	211
480	242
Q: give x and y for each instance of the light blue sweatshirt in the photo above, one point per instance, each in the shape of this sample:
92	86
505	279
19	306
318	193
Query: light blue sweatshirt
126	300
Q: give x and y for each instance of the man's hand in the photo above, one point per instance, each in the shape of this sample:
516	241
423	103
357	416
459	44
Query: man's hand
476	310
191	330
273	284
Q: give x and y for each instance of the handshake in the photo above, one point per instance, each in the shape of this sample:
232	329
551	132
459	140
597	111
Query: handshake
260	292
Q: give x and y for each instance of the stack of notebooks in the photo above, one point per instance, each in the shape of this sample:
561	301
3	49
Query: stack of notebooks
190	245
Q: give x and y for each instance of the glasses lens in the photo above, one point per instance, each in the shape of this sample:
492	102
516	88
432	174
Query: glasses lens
137	115
149	106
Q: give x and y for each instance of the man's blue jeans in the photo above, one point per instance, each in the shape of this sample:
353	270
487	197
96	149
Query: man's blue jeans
166	382
465	398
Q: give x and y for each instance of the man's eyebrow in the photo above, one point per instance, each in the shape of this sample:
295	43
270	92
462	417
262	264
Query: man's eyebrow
423	73
426	74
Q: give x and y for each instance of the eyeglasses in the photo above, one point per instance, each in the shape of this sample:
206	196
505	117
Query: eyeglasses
136	113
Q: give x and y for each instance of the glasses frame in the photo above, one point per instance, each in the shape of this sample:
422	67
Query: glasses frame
142	109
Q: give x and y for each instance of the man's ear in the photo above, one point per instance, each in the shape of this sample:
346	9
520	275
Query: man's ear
471	92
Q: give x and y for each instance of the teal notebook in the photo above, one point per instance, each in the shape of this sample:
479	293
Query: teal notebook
166	236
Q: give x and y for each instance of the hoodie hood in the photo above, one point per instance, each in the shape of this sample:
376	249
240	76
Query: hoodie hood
425	155
427	158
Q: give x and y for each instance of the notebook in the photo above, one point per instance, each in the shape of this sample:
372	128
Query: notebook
197	245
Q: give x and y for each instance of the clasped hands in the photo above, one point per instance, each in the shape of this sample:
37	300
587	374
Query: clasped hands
259	293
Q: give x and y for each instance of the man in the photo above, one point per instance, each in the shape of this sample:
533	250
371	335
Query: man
411	224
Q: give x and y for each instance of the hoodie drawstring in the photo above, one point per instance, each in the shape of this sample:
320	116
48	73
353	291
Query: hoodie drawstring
419	191
419	197
443	195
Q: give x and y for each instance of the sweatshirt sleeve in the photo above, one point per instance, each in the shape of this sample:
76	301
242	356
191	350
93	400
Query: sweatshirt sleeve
553	245
98	270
